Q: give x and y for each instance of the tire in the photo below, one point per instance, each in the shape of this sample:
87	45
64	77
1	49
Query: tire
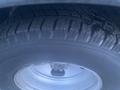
34	35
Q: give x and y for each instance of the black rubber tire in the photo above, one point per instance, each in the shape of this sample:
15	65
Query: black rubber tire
28	28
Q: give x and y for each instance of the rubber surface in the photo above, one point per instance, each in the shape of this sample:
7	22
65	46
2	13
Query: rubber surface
60	23
73	24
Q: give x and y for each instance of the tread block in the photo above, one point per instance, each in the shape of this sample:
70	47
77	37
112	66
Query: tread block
47	27
74	29
85	33
98	37
61	28
23	26
109	42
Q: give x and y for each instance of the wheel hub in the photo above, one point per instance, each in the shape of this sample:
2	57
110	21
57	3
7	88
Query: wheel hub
57	76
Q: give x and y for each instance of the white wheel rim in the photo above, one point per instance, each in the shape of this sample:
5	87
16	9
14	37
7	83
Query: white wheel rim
57	76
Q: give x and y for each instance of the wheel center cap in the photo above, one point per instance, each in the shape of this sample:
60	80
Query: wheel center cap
57	76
